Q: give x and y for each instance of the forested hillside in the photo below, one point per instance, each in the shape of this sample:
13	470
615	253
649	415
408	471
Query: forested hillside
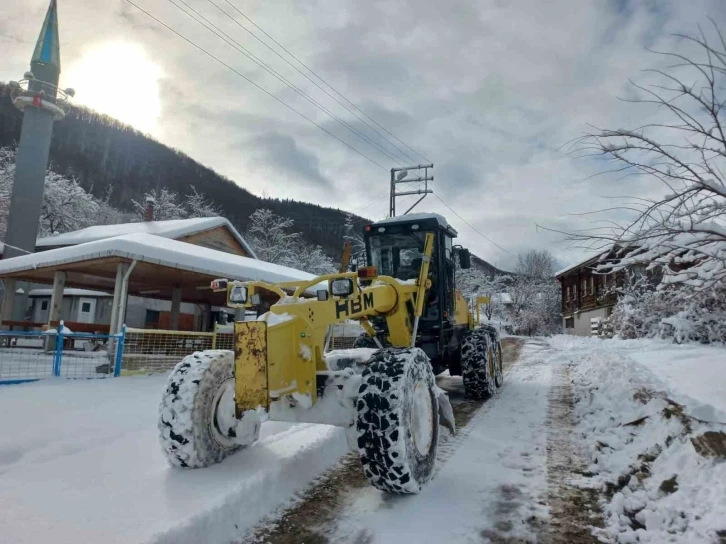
103	154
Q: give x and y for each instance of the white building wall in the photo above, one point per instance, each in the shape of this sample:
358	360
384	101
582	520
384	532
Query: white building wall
583	326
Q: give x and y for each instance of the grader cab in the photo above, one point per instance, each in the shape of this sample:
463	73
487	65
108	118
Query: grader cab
384	393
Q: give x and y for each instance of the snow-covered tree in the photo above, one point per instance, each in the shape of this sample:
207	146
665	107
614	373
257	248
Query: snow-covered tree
66	205
536	295
7	173
269	236
167	205
170	205
353	235
197	205
683	232
311	259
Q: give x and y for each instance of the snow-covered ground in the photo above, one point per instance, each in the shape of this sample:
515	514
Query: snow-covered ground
642	408
80	460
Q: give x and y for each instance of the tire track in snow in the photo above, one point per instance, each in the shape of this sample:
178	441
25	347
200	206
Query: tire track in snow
311	515
573	509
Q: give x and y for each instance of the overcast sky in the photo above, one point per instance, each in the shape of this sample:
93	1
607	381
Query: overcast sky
489	91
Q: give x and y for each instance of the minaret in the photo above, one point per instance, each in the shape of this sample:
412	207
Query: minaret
41	102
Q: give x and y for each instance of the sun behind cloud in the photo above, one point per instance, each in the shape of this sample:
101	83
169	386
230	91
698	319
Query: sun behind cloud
120	80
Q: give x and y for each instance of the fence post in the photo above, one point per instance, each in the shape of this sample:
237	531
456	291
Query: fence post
119	352
214	337
58	356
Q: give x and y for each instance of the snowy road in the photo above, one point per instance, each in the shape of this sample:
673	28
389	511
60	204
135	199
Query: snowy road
491	485
583	432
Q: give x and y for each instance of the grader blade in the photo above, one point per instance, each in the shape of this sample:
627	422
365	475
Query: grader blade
446	412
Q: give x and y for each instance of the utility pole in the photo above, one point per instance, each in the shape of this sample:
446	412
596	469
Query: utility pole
399	175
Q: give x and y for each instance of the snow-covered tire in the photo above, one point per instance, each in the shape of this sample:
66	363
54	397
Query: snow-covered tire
398	420
499	374
476	370
188	425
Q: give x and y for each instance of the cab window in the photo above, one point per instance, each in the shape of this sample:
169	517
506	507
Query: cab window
398	255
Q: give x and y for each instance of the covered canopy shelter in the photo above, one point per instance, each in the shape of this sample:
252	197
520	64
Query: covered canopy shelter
137	264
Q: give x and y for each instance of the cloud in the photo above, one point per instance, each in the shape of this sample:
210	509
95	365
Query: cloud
489	91
281	157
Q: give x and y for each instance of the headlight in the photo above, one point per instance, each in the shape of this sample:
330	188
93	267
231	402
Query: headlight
238	295
341	287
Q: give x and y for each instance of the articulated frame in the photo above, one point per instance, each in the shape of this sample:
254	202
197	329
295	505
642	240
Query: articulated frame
280	356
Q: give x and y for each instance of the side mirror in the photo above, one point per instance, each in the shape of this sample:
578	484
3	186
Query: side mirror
464	259
341	287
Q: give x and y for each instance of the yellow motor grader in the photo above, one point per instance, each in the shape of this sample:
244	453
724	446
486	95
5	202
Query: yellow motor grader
383	393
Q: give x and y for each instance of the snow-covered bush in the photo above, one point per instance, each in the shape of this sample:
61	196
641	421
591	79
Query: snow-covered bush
678	311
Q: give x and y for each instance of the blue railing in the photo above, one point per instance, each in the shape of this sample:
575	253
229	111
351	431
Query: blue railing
29	356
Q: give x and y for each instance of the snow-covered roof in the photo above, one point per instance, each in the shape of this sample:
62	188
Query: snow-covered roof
155	249
70	292
415	217
589	260
175	228
504	298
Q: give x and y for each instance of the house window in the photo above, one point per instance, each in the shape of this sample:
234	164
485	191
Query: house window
567	293
86	307
592	285
570	323
151	320
44	305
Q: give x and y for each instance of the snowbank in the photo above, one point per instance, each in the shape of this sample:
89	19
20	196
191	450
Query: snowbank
80	462
640	440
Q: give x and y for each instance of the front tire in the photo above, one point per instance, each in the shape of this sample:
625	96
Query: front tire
499	375
199	390
477	371
398	420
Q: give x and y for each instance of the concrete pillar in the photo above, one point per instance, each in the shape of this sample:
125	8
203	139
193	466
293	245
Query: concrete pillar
176	296
56	298
6	313
115	326
56	305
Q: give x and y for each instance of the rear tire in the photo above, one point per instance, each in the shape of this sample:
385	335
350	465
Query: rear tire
364	341
189	430
476	370
398	420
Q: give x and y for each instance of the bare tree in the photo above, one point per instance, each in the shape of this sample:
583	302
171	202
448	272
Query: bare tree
684	232
535	294
536	264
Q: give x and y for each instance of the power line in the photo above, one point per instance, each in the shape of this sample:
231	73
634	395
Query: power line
217	59
236	45
326	83
472	227
385	139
